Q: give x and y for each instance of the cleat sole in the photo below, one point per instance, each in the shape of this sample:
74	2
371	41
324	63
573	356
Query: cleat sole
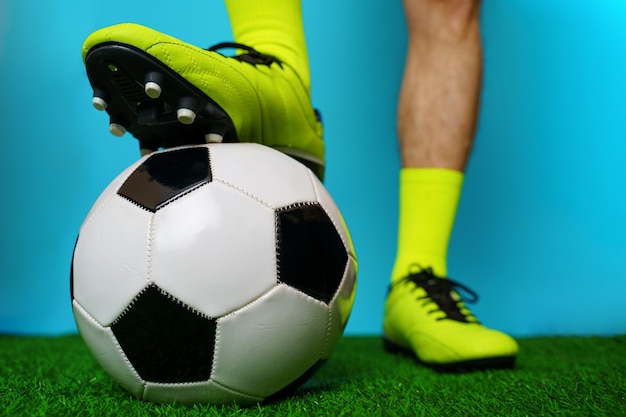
460	367
157	106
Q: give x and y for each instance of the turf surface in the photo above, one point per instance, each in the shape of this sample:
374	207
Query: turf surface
553	376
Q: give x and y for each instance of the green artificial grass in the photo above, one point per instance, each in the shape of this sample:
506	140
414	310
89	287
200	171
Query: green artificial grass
573	376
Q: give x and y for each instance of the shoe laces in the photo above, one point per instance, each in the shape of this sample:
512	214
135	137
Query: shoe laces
254	57
251	56
446	295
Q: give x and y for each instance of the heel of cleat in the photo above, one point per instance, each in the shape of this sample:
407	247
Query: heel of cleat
394	348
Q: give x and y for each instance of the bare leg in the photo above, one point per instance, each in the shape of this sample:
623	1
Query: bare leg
438	104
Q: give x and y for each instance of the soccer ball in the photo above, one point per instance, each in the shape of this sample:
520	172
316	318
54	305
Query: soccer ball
214	273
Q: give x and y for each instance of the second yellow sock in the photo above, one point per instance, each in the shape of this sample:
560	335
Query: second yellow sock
428	201
273	27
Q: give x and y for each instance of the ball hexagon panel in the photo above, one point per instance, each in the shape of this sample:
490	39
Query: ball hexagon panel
214	248
164	176
110	258
311	254
268	344
164	339
103	345
269	175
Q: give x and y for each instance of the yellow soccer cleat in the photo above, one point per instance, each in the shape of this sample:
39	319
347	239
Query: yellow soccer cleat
425	316
169	93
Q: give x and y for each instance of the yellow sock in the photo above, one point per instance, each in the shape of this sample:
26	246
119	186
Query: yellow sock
428	201
273	27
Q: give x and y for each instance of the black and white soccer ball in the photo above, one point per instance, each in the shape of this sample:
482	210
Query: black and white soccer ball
215	273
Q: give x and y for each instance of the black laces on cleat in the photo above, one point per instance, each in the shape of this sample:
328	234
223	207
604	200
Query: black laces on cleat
447	295
252	56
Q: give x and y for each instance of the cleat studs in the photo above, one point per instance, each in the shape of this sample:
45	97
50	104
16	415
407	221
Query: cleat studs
152	84
186	110
117	130
144	151
99	103
185	116
99	99
153	89
213	138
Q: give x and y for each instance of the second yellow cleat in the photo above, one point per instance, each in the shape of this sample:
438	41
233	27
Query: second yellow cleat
425	316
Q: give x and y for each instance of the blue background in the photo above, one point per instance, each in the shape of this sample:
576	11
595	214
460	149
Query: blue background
541	228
